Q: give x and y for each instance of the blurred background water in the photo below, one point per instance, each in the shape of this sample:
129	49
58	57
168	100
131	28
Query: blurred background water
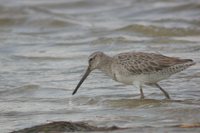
44	46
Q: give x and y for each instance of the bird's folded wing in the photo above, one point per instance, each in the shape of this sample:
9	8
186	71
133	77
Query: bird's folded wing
144	63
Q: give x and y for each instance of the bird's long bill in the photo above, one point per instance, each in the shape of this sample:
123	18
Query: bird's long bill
82	79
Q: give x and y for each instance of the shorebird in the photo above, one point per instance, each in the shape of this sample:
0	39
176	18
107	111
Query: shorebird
136	68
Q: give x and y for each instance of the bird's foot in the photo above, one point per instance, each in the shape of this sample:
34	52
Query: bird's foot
141	97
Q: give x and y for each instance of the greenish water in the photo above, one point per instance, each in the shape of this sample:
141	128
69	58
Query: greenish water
44	46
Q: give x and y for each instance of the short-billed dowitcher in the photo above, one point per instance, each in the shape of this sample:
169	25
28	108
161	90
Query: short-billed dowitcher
136	68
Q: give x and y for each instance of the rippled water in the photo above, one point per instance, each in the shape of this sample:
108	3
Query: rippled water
44	47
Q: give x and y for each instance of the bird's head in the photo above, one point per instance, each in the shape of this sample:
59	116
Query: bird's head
94	62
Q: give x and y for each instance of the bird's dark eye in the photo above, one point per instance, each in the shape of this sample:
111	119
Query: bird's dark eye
90	59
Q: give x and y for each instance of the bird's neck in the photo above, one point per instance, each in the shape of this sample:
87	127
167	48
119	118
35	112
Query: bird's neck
105	66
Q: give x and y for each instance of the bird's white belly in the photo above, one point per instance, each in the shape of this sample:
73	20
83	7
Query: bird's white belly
142	78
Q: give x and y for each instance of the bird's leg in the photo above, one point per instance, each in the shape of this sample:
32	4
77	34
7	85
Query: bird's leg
141	93
138	85
166	94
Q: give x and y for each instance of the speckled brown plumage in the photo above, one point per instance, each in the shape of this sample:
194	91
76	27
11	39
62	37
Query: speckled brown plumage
136	68
146	63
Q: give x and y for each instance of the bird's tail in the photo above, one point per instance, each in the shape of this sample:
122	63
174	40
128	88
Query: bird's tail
188	62
183	64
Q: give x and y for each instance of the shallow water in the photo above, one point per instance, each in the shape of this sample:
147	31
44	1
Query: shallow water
44	47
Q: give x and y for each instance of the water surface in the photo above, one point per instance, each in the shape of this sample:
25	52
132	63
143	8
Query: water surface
44	47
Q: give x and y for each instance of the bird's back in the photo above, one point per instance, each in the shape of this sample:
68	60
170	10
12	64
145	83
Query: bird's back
150	66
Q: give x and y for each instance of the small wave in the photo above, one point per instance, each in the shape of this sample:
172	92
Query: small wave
20	90
109	40
49	22
86	100
133	103
190	22
118	40
184	7
39	58
11	16
10	21
151	30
